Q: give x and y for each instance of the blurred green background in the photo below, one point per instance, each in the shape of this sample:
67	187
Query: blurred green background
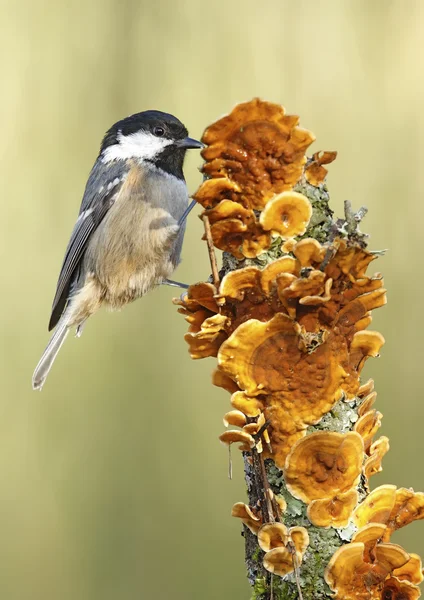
113	483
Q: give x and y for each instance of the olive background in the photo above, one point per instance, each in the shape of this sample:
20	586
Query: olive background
113	483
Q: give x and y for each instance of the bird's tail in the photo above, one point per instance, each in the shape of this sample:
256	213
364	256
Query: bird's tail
50	353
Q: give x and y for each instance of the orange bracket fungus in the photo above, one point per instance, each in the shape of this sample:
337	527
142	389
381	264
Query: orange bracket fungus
286	320
287	214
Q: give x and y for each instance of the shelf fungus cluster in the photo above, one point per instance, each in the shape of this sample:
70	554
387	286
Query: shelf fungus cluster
287	319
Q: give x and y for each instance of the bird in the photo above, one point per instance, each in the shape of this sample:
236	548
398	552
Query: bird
129	232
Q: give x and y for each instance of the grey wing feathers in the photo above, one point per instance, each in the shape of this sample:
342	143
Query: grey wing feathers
103	184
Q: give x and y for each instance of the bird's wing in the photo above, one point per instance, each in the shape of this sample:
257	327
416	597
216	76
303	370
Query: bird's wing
103	185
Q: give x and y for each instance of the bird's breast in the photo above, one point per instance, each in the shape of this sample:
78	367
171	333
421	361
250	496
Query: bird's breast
138	243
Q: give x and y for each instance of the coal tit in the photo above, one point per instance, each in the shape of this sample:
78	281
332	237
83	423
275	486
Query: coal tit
130	228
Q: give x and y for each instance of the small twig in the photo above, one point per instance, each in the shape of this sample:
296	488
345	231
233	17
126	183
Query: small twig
266	488
276	509
257	436
352	218
262	486
291	548
230	463
211	250
328	256
331	250
361	214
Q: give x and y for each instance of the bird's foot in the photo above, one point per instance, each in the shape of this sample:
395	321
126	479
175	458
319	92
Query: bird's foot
177	284
187	212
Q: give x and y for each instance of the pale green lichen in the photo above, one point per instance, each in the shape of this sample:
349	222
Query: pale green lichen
321	222
340	418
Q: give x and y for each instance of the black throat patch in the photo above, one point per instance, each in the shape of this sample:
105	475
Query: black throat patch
170	160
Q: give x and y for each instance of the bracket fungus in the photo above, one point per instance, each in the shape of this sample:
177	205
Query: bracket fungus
279	561
367	426
377	506
411	571
370	535
235	418
272	535
251	407
286	214
287	319
258	147
315	173
393	589
323	464
247	515
377	451
367	402
209	337
333	512
353	577
232	436
284	548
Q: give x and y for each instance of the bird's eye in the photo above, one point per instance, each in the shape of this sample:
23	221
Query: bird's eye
159	131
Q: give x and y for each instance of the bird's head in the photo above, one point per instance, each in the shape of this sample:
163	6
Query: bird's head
153	137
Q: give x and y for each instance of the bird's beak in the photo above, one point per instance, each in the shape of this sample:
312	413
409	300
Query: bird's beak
188	143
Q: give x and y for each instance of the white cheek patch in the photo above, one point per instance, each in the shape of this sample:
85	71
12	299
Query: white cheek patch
141	145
